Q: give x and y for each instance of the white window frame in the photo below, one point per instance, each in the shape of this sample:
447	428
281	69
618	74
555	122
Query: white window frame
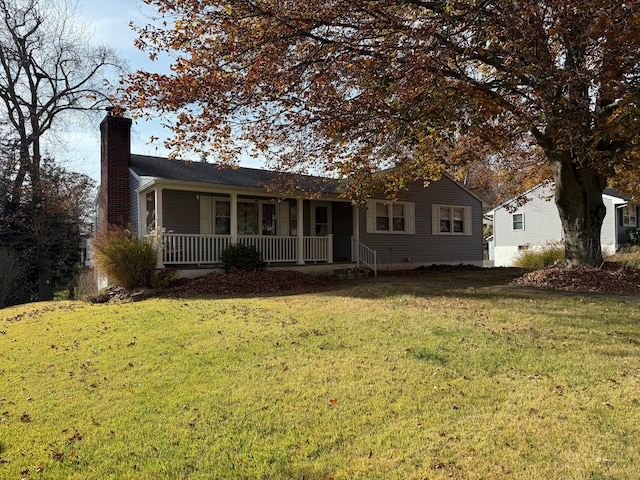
629	212
466	215
409	217
513	222
208	211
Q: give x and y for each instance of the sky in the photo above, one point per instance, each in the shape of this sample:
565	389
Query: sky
108	23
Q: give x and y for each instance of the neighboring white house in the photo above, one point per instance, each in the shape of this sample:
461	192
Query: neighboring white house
536	224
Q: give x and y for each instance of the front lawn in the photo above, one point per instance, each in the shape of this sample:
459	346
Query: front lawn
392	379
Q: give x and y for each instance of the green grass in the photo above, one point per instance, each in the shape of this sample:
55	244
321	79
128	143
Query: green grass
394	379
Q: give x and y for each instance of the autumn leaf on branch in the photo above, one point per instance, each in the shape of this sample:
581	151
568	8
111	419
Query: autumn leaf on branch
386	93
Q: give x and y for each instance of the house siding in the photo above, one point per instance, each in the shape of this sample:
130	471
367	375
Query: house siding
609	233
424	248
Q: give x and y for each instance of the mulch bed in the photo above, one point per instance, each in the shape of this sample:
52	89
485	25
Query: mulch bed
611	278
262	282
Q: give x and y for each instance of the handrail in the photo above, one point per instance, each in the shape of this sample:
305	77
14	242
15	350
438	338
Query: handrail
365	255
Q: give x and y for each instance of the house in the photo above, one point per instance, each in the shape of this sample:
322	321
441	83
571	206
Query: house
536	224
195	210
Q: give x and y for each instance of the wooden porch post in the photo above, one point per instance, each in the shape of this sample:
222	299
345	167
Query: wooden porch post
142	216
159	229
300	231
356	231
234	218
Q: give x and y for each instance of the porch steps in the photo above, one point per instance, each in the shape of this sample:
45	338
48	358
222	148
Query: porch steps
352	273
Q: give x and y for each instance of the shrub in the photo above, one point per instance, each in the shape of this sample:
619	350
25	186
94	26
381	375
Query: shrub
241	257
163	279
532	259
633	234
12	275
126	260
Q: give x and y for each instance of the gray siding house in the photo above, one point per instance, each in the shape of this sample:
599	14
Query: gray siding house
195	210
536	224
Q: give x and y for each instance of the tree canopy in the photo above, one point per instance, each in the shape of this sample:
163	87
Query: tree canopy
355	87
48	68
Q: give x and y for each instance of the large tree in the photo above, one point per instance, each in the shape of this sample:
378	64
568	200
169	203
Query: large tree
48	68
66	206
357	86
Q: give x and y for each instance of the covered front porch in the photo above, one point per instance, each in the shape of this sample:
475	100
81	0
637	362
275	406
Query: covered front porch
193	227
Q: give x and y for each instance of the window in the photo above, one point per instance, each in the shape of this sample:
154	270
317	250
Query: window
390	217
518	221
322	220
382	217
268	219
451	220
398	217
223	217
247	218
215	215
629	216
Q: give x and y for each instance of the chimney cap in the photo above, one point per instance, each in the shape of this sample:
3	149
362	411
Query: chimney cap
115	110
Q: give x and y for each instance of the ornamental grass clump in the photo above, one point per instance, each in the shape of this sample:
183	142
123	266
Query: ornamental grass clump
126	260
534	259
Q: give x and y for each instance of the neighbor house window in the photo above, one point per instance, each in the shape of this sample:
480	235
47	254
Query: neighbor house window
518	221
390	217
629	216
451	220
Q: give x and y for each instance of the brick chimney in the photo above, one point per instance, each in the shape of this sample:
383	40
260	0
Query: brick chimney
115	152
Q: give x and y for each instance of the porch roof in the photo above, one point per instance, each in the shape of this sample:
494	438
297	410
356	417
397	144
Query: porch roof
207	173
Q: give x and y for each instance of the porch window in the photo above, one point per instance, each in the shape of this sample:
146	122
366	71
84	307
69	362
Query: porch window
268	219
518	221
451	220
247	218
223	217
629	216
390	217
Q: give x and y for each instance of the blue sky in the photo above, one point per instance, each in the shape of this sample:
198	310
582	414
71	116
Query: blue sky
108	23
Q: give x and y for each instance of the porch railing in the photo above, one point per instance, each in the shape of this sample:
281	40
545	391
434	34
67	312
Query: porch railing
180	248
198	249
273	249
364	255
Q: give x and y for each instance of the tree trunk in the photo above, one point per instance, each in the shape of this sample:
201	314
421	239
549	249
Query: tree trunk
578	197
